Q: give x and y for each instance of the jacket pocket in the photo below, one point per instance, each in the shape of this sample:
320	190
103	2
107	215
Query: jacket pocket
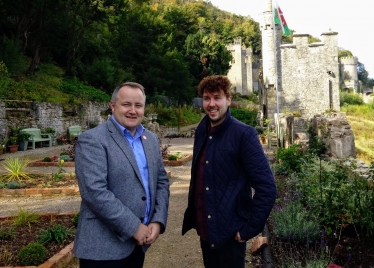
244	202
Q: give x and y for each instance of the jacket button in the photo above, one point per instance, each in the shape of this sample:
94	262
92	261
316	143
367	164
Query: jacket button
143	198
209	216
207	162
212	245
210	137
207	188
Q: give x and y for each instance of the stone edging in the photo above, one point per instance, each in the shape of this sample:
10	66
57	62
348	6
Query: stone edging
179	162
27	192
40	163
39	192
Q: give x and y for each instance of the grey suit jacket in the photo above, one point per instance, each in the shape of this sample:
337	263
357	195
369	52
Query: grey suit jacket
113	193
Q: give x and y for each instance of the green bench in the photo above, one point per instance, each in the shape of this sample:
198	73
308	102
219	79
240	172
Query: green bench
74	131
38	136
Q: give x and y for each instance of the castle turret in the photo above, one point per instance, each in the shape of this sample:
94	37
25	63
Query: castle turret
270	50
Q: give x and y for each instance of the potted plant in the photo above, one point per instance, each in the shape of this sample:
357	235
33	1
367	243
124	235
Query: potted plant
13	144
23	140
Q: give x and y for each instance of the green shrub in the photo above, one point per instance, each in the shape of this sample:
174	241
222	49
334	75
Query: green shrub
295	223
290	159
172	157
75	219
246	116
350	99
47	159
13	185
56	233
65	157
32	254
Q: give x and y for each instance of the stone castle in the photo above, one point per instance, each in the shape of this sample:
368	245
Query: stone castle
309	75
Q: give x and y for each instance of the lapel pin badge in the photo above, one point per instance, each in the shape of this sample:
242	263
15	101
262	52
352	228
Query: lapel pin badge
144	137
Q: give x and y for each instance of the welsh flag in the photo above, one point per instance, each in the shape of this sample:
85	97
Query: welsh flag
279	18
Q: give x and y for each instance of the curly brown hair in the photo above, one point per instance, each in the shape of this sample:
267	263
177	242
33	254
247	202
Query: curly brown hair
213	84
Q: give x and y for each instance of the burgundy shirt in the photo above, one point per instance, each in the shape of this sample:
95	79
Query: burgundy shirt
201	219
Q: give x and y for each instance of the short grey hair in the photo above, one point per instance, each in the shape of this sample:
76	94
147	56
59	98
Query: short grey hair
129	84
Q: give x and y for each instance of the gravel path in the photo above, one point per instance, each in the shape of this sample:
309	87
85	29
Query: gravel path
62	204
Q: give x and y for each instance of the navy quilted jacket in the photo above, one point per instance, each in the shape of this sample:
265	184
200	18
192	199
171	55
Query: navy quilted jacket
235	163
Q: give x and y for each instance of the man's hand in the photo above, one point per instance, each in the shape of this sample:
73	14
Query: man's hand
238	238
141	234
154	231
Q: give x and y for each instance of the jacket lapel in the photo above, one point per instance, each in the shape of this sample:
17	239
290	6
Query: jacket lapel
120	139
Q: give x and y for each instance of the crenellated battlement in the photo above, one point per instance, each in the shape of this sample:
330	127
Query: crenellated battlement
349	60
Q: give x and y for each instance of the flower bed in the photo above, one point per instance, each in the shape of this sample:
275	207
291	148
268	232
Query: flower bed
27	231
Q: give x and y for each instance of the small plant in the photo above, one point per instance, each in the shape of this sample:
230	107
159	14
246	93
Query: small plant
13	185
65	157
47	159
23	136
16	169
25	218
32	254
6	233
59	175
295	223
13	140
49	130
75	219
175	156
56	233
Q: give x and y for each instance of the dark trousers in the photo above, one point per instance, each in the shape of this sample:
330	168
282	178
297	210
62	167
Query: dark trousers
134	260
230	255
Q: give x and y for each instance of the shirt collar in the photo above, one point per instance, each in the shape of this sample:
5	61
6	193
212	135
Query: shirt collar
139	130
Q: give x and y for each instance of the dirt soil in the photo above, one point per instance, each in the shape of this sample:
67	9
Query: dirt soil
171	249
10	245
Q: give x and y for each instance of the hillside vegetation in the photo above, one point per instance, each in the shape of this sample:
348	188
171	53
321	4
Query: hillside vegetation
361	119
167	46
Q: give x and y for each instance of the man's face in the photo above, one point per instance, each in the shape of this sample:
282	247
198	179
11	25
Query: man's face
128	110
215	105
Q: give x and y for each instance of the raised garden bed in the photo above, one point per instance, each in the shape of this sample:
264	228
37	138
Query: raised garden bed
59	255
41	163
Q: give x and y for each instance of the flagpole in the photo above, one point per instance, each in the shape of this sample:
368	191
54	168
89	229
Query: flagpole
276	74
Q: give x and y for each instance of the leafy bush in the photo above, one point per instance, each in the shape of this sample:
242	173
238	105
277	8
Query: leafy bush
57	233
246	116
47	159
75	88
65	157
13	185
350	99
32	254
293	222
11	55
290	159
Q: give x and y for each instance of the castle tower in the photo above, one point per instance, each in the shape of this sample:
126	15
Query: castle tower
240	73
268	92
348	73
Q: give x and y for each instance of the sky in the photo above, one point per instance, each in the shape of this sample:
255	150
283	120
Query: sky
353	20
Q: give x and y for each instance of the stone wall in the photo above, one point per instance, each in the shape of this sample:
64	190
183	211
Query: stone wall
240	72
348	72
310	75
42	115
336	133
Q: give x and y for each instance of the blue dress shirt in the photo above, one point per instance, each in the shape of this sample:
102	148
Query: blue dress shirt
138	150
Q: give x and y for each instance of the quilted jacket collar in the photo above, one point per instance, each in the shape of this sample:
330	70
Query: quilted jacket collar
221	126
